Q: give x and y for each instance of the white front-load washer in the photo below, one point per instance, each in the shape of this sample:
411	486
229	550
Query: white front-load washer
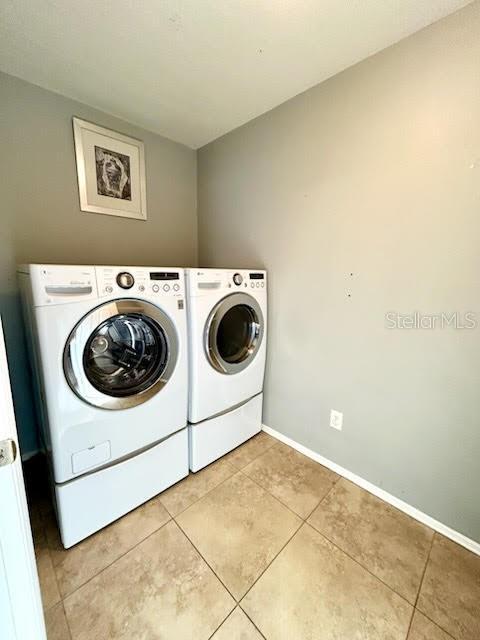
227	316
109	349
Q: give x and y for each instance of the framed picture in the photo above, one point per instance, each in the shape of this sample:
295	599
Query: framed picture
111	171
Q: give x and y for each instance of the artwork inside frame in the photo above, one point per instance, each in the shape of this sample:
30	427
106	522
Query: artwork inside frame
110	170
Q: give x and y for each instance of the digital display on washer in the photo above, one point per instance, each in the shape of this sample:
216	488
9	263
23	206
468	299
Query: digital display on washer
164	275
257	276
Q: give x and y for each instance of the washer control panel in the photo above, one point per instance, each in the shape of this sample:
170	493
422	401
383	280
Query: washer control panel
54	284
139	280
125	280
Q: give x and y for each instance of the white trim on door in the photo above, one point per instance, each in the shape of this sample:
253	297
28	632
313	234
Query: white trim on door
20	602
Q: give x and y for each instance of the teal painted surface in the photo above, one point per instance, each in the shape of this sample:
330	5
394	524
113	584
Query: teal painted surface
20	373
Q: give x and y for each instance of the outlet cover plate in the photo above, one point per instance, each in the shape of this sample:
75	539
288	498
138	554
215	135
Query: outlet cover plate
336	419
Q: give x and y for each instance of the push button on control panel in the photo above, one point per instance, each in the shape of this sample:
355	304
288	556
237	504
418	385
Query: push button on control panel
166	287
155	288
176	287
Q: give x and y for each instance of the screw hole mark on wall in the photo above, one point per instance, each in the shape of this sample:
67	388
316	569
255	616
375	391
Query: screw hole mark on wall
349	295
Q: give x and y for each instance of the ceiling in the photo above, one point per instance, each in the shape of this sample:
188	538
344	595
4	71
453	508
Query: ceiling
193	70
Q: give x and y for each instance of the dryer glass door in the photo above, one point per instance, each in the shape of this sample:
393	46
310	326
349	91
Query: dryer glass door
234	333
121	354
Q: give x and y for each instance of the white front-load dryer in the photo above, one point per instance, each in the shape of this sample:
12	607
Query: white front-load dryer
227	329
109	349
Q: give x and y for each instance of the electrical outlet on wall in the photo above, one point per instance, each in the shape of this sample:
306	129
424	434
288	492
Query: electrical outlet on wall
336	419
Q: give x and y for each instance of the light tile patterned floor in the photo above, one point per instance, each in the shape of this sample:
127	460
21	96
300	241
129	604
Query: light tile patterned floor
265	544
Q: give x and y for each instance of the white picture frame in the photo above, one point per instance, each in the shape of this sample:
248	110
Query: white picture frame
110	171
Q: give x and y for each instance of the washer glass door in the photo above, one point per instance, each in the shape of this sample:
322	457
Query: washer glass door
125	355
120	354
234	333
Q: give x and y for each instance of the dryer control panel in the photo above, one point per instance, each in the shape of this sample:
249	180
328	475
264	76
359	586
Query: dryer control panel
204	281
139	281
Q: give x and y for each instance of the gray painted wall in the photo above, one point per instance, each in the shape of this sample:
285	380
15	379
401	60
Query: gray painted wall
41	219
360	197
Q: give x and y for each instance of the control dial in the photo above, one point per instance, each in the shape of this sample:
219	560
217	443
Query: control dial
237	278
125	280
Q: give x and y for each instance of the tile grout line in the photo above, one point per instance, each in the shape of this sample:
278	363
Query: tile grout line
415	608
271	495
420	585
337	479
223	621
334	484
114	561
435	533
274	444
277	498
246	614
230	464
66	620
260	455
423	518
410	624
305	520
360	565
237	606
437	625
425	569
271	562
207	563
64	597
171	519
240	471
234	472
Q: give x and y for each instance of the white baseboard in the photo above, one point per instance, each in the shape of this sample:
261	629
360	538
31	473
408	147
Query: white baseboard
446	531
